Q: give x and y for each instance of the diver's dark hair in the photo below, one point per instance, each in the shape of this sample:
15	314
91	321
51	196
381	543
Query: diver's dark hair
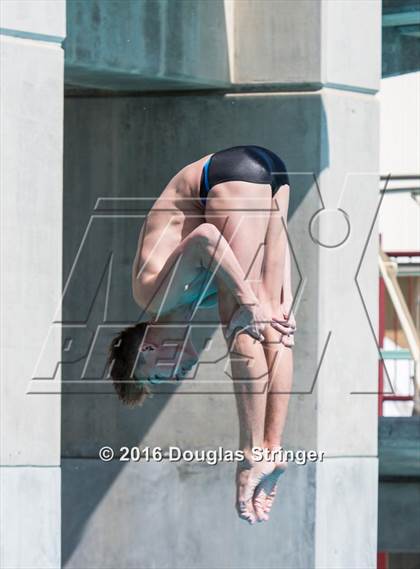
122	356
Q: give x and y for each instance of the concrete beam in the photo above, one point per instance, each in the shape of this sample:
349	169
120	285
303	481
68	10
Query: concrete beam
400	52
247	44
159	45
289	43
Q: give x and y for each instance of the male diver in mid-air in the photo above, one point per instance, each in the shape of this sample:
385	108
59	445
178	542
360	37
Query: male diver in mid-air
218	233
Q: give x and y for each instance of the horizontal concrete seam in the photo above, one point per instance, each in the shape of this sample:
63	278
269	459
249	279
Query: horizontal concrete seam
275	88
244	89
97	92
350	88
307	91
31	36
92	93
193	91
304	91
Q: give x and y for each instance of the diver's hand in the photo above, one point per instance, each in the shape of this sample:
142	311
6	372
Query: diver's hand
285	325
252	319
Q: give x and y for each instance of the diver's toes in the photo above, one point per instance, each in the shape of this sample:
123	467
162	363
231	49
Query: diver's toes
247	516
259	503
243	509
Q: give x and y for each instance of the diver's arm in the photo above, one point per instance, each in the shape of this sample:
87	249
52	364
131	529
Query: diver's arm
203	248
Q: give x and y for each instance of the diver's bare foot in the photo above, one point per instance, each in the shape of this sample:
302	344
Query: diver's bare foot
244	505
256	486
266	490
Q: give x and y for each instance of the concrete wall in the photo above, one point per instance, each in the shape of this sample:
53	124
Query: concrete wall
181	515
400	37
32	73
124	147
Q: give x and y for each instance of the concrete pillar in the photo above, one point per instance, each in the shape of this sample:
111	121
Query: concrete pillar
31	258
303	83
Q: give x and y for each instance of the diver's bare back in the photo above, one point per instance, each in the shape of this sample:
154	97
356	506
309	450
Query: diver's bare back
174	215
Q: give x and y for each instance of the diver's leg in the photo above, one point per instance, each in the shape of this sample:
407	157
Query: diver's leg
241	210
278	356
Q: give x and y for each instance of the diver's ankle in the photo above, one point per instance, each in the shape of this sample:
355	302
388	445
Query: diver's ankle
273	444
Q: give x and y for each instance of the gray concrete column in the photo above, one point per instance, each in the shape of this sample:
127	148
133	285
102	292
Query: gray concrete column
318	504
302	81
31	267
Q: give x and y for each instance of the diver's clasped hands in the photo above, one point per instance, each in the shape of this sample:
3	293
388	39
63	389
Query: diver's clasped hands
286	325
255	318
